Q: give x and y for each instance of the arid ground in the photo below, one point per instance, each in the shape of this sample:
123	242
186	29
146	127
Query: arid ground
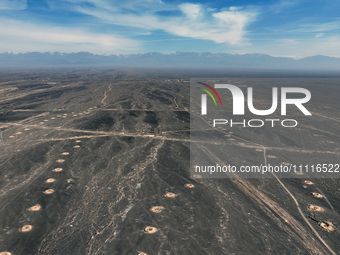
97	162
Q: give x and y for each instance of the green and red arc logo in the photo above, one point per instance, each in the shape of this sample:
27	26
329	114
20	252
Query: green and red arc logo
209	93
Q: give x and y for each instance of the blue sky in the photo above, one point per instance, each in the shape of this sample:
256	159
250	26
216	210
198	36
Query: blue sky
279	28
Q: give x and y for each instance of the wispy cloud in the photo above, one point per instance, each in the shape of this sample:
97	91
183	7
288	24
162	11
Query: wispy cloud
317	27
189	20
30	37
282	6
13	4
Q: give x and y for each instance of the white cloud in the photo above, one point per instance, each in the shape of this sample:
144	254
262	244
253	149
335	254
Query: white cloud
13	4
236	21
192	11
195	22
32	37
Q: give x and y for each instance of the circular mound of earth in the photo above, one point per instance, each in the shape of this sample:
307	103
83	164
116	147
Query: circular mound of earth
48	191
327	226
26	228
50	180
170	194
315	208
157	209
197	176
318	195
5	253
34	208
150	230
308	182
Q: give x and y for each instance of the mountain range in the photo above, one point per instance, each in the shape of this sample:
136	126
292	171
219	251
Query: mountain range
175	60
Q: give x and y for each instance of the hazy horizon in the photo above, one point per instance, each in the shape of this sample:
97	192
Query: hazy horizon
162	53
186	60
